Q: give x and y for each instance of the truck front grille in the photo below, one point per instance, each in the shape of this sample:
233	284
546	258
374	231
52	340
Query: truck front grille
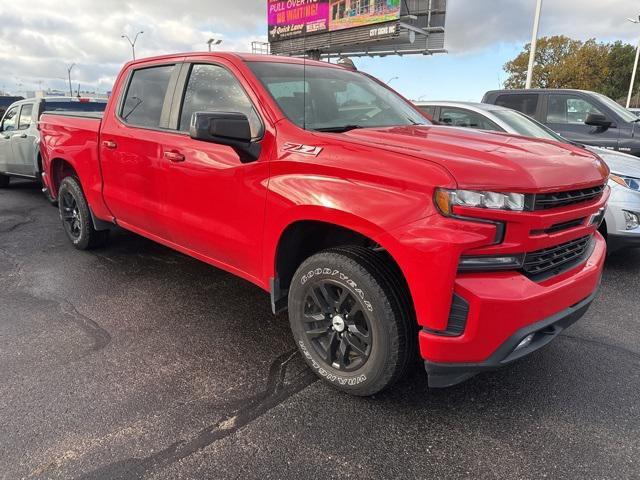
555	260
562	199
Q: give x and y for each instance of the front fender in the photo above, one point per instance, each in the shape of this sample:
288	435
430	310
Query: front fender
368	209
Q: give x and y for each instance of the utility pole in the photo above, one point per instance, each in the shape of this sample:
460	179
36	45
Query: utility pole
133	42
534	44
69	73
635	66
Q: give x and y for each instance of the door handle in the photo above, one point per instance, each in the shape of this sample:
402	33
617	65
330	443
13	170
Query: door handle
6	137
19	135
175	157
109	144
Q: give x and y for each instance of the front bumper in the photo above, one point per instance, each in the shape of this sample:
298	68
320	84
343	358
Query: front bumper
618	236
442	375
505	307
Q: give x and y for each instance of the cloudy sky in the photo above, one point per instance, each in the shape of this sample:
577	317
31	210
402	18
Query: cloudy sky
40	38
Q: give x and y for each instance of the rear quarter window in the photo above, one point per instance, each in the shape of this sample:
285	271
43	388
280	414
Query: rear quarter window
429	110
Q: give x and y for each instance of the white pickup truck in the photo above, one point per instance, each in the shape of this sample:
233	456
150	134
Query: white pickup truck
20	138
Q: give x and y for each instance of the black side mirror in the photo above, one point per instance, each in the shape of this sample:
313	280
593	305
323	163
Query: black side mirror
598	120
226	128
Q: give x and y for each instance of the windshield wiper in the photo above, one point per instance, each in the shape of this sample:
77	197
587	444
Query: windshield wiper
340	129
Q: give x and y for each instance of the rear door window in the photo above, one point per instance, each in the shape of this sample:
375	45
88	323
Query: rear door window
145	98
459	117
25	117
525	103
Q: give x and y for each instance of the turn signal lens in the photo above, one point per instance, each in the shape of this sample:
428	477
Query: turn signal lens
443	202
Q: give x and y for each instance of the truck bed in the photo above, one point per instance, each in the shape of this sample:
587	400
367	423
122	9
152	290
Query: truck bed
92	115
72	138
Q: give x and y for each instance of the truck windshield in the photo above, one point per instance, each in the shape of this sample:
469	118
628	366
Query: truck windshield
73	106
526	126
333	99
625	114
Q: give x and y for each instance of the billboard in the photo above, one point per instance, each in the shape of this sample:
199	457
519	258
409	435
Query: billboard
358	13
340	28
297	18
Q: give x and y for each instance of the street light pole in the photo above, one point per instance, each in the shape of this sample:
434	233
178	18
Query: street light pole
635	66
534	44
69	74
392	79
133	43
213	41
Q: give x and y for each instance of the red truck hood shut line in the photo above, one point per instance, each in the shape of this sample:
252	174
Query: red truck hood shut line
484	160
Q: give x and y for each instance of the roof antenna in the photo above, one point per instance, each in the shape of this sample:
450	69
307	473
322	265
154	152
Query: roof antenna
304	80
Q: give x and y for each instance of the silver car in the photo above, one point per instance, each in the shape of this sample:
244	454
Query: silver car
621	226
20	138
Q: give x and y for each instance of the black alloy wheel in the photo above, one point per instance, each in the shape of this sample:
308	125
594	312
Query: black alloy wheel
352	320
337	326
70	215
76	216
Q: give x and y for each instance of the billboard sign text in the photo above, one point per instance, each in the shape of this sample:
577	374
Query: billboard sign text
296	18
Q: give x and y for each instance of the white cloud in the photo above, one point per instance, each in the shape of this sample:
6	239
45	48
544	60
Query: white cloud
39	42
40	39
474	25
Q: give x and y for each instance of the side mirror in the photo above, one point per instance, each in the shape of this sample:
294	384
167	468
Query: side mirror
598	120
226	128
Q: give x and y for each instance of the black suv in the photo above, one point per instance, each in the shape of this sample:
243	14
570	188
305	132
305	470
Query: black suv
584	117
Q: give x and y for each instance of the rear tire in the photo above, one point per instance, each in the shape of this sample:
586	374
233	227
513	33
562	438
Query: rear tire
351	320
76	217
4	181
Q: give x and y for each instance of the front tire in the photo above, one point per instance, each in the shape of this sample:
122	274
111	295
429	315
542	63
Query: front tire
351	321
76	217
4	180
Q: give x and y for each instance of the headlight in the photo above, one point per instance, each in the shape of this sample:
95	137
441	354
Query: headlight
447	199
629	182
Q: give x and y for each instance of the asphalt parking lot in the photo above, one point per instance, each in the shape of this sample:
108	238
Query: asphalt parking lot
136	361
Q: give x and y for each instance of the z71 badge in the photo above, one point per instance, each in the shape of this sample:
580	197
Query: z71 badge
302	149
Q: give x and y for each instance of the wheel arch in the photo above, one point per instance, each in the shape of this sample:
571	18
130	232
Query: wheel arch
59	169
301	238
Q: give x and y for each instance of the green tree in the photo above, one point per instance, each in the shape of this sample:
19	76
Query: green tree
621	58
550	53
562	62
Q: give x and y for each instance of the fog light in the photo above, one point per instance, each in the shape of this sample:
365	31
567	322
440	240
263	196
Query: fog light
509	262
631	220
525	342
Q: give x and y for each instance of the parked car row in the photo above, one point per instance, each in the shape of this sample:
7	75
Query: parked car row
621	226
588	118
20	138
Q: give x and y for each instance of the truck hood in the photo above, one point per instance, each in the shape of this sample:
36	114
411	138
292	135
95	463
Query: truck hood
492	161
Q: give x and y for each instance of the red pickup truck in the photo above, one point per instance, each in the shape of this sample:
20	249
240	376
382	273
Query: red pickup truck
381	233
